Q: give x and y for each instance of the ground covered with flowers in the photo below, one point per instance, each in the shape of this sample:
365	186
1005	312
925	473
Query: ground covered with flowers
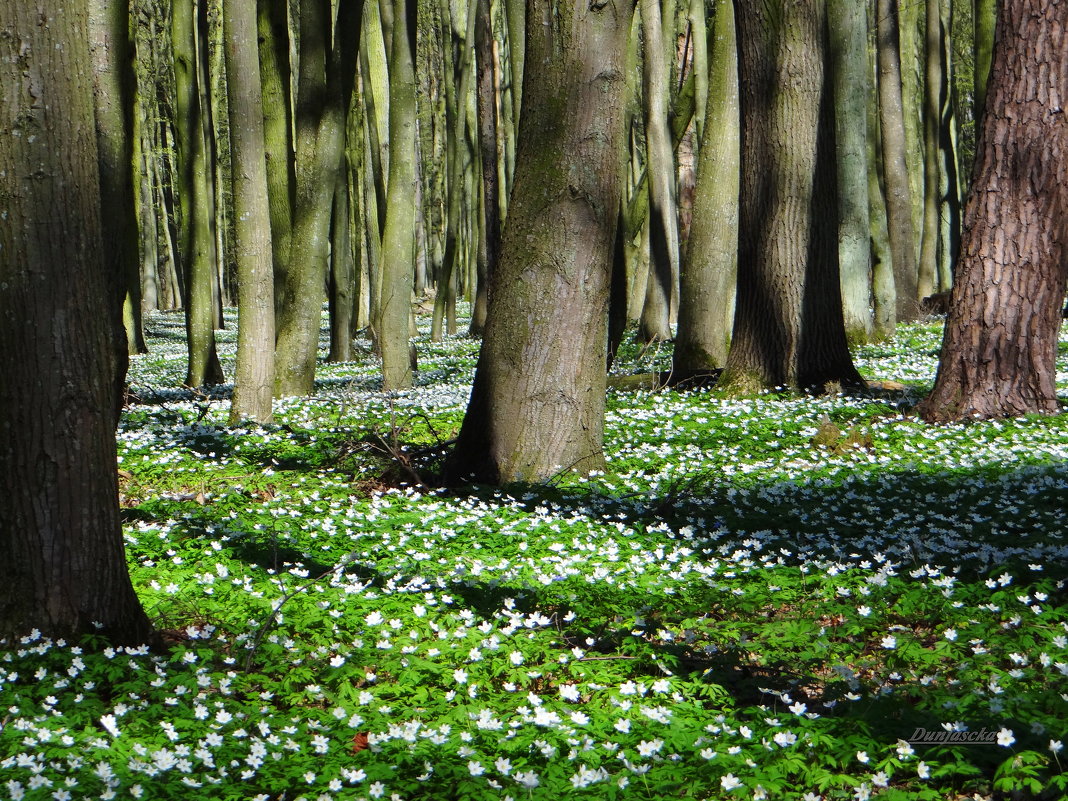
772	597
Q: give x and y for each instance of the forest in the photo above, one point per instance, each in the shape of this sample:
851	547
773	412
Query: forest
484	399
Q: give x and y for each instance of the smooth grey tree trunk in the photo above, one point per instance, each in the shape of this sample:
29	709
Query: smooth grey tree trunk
254	378
851	82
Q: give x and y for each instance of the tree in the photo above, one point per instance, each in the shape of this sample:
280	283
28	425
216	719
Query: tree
398	238
709	273
851	81
63	349
197	238
327	58
788	325
1000	342
655	323
537	405
254	380
113	85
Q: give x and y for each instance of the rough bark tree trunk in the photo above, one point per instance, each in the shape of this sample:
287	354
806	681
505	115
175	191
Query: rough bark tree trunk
64	567
537	406
1000	345
788	325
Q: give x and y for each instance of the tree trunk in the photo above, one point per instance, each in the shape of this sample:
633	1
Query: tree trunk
984	15
788	326
1000	345
343	274
64	569
113	85
710	270
655	323
490	229
324	84
254	379
273	33
537	406
196	246
895	168
851	80
927	272
398	238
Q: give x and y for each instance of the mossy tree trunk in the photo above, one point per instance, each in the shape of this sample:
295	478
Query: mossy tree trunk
788	325
398	238
710	269
895	167
113	90
851	81
326	74
64	566
537	405
655	323
196	243
1000	346
254	379
273	36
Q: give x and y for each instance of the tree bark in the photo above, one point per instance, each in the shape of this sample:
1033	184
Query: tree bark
927	272
984	16
1000	345
254	379
398	238
788	325
710	270
273	37
113	85
655	323
324	84
64	568
895	167
490	228
537	406
196	247
851	81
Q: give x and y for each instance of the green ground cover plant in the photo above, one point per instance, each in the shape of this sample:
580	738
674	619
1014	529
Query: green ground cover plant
768	597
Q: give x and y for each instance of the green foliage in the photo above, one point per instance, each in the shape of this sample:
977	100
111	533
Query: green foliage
732	610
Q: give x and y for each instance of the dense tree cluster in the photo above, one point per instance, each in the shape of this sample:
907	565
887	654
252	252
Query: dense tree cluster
763	182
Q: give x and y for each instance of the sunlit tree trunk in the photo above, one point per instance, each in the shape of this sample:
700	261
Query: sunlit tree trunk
788	325
895	168
537	405
64	569
710	268
398	238
999	352
254	380
663	224
196	246
273	38
490	228
933	91
324	84
984	15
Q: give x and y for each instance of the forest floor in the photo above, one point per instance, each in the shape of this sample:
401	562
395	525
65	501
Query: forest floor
772	597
